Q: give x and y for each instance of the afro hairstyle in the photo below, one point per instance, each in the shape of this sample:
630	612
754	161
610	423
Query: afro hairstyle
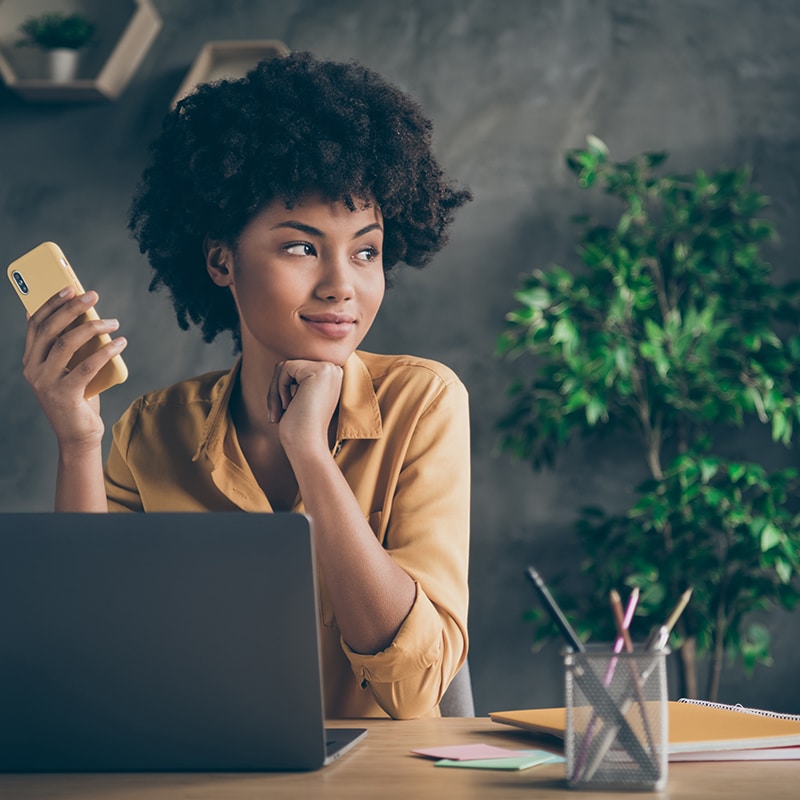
293	126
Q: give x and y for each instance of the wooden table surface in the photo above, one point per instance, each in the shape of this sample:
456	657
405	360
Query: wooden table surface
382	768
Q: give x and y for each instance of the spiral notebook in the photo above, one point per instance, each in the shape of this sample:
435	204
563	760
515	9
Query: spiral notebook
760	712
698	731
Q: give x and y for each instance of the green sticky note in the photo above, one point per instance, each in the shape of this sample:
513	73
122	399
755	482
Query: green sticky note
525	760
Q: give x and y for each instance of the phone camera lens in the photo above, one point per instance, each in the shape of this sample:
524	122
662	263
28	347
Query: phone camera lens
20	281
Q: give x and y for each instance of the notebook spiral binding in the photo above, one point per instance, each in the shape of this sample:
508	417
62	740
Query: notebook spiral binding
739	707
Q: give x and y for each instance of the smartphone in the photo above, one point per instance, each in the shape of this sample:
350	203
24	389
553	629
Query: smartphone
45	271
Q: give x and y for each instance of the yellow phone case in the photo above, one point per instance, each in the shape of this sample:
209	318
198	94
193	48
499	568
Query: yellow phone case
36	277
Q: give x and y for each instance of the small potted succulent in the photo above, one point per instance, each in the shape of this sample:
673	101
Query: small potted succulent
62	37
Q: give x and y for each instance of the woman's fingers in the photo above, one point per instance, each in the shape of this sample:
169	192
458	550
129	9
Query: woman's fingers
50	356
51	320
83	373
303	396
55	334
285	380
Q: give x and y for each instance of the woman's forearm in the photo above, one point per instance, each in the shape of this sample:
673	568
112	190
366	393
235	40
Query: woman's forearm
370	593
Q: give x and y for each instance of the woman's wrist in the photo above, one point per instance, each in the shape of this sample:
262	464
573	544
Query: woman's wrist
308	456
71	453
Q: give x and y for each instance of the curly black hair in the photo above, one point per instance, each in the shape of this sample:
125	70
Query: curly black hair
294	125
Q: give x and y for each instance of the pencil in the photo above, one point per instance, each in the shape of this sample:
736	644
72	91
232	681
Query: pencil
671	619
616	607
678	610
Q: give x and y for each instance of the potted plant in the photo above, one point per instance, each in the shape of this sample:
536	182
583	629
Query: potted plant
675	333
62	36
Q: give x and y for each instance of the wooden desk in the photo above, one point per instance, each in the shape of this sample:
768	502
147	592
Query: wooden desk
381	768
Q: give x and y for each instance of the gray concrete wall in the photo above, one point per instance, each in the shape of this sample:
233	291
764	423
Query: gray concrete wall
510	85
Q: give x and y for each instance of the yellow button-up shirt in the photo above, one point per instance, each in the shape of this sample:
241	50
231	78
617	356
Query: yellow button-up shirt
402	444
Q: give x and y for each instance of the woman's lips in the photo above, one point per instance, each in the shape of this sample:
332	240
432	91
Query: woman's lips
332	326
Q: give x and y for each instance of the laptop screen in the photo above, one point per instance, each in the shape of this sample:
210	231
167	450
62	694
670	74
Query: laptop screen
159	642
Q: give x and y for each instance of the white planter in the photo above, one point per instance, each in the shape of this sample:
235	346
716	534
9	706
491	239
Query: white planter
63	64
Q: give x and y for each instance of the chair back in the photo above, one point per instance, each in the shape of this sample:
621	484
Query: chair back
457	700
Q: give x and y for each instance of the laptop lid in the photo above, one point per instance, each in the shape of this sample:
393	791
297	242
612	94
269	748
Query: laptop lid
159	642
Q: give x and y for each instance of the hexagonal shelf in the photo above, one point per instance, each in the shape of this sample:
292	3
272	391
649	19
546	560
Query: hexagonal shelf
125	31
218	60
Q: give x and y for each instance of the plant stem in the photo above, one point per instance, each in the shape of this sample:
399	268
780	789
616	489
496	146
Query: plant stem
688	661
651	429
715	670
661	292
720	634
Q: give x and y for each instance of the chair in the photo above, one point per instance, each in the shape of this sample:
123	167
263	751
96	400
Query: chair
457	700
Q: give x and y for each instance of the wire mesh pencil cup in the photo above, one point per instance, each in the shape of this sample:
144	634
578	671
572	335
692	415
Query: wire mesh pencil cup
616	735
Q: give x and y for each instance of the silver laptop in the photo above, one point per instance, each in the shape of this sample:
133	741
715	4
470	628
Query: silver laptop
161	642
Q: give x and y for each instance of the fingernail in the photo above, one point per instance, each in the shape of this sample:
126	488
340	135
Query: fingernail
120	342
65	291
112	324
89	297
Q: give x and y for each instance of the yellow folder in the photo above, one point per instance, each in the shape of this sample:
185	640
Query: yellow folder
696	732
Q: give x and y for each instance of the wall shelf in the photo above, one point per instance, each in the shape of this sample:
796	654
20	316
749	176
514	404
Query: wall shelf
125	32
232	59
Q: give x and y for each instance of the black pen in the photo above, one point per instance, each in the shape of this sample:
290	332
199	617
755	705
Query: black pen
567	631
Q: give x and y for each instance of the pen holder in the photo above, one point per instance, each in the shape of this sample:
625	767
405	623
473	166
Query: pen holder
616	704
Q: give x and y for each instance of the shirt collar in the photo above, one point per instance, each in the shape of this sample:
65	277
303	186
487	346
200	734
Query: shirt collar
218	419
359	412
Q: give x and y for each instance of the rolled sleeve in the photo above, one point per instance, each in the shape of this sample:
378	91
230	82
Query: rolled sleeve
417	645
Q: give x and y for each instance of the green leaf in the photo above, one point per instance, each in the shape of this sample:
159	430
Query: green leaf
564	332
708	469
770	537
535	297
597	145
653	331
784	571
780	425
595	411
736	472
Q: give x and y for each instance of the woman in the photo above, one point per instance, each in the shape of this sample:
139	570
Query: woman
273	208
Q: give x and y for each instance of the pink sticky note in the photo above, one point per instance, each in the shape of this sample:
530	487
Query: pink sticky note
466	752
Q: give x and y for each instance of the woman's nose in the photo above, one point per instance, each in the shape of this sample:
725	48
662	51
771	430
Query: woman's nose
335	281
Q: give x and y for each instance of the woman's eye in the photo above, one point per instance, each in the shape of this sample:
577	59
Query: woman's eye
299	249
367	254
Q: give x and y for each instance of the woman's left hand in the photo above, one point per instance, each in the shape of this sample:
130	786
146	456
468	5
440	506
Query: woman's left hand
302	398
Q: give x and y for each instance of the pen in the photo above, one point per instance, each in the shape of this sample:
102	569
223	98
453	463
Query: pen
567	631
660	638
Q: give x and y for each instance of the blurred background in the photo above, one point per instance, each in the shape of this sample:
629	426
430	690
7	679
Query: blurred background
510	85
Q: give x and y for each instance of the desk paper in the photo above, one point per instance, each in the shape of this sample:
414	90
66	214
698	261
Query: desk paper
467	752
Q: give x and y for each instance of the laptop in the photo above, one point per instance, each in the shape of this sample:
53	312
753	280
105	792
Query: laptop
161	642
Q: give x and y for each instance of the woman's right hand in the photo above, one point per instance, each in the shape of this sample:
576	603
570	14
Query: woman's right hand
49	346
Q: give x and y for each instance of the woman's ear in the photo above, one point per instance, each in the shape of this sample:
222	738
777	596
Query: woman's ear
219	261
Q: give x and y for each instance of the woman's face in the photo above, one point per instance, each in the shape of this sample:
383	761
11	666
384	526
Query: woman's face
307	281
